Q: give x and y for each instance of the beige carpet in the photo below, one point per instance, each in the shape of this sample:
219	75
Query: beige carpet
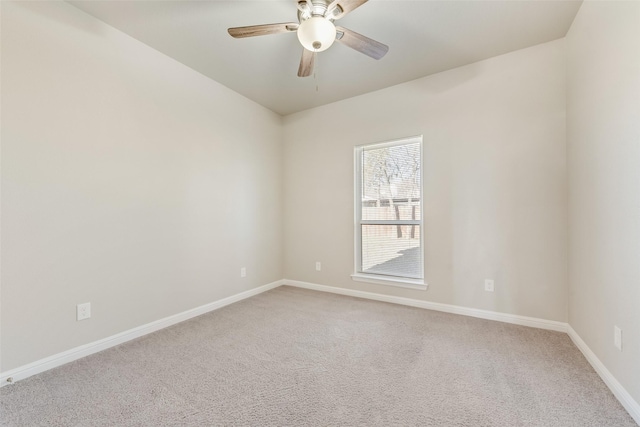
293	357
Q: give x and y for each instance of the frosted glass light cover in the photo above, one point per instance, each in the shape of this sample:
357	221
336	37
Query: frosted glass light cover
316	34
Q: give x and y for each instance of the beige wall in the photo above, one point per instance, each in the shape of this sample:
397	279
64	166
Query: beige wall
128	180
135	183
494	186
603	136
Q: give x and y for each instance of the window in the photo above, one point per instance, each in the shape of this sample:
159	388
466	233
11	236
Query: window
388	207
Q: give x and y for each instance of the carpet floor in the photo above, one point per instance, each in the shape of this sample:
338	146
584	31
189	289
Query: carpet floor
294	357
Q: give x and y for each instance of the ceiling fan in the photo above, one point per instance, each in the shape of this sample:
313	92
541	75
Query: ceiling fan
317	32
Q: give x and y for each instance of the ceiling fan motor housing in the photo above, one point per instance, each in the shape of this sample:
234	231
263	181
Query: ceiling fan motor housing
307	9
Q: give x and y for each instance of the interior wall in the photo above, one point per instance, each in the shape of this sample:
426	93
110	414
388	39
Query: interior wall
128	180
495	182
603	137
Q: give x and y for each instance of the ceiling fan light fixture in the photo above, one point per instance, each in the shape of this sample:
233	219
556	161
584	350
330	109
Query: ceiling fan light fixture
317	34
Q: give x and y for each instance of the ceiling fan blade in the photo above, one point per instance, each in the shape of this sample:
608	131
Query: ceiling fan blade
262	30
369	47
306	63
346	6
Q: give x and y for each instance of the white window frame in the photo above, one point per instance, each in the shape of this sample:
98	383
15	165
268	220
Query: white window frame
358	274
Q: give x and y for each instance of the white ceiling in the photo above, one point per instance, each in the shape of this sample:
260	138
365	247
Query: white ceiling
424	37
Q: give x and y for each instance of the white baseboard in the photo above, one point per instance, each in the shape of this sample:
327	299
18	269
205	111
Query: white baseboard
59	359
447	308
76	353
616	388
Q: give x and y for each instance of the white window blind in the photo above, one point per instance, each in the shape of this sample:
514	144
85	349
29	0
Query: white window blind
389	232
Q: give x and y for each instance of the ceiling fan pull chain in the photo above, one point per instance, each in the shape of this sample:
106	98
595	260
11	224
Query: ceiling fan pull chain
315	70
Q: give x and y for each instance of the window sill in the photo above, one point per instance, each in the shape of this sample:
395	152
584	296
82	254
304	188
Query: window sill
386	280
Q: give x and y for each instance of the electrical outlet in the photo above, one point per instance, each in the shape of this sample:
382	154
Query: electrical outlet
488	285
83	311
318	266
243	272
617	337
